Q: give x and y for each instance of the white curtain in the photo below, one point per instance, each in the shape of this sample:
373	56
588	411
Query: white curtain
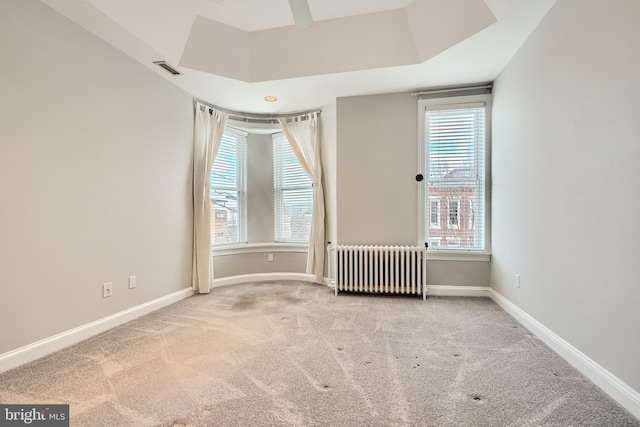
209	126
303	134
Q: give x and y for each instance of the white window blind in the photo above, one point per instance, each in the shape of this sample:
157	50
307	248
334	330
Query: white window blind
455	147
228	189
293	194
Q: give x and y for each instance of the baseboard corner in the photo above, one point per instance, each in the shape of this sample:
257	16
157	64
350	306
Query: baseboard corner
622	393
30	352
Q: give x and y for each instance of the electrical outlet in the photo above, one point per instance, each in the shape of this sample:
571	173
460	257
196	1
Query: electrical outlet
132	282
517	280
107	290
270	258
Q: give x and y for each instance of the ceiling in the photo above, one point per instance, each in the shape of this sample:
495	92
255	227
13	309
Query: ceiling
233	53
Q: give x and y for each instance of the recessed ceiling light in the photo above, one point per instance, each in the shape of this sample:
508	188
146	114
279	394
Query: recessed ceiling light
270	98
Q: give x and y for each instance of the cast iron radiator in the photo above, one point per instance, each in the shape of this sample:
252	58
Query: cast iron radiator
379	269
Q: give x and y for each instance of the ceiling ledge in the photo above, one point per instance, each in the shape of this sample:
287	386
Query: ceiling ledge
363	42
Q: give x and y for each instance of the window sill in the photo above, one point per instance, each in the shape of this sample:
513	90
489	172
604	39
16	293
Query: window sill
254	248
458	256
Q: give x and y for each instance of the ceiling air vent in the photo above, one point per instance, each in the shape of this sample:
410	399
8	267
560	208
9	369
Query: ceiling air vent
167	67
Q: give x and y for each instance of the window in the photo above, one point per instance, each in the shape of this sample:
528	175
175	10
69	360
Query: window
455	139
228	189
454	207
434	213
452	241
293	194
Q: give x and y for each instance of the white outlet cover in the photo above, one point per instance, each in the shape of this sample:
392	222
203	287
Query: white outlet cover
132	282
107	289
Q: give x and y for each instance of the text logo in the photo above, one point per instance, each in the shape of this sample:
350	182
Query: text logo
34	415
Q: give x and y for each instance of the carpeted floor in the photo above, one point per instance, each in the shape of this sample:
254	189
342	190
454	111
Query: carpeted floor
293	354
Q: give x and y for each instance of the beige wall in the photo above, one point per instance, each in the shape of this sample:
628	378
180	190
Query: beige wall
376	190
95	160
257	263
260	213
565	180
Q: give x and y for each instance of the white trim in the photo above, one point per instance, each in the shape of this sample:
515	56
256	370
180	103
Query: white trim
614	387
471	100
30	352
457	291
250	248
444	255
262	277
420	185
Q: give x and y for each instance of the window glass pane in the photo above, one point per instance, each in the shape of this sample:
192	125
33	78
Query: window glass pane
293	194
455	166
228	190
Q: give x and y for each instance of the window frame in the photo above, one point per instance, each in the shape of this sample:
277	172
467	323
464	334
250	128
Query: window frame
278	191
441	252
241	188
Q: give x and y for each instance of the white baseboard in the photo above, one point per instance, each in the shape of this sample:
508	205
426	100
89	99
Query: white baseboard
439	290
57	342
618	390
444	290
457	291
262	277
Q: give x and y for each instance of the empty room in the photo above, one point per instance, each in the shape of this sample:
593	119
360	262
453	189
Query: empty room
319	213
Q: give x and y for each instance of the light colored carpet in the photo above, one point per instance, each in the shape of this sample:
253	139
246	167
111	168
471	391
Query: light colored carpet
293	354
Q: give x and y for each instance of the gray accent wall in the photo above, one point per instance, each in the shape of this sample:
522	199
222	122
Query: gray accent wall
376	169
566	149
376	191
95	167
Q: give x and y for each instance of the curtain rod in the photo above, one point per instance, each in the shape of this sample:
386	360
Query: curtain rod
453	89
250	117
